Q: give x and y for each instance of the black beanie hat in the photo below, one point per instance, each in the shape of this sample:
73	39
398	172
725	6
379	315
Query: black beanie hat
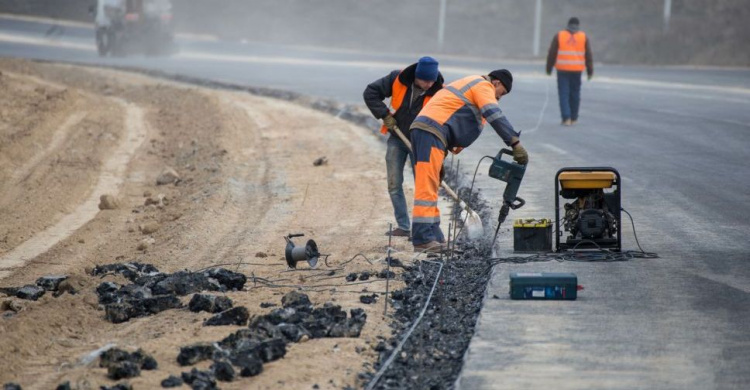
504	76
573	20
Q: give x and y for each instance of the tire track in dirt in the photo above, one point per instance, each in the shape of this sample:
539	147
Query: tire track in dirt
58	139
110	179
243	207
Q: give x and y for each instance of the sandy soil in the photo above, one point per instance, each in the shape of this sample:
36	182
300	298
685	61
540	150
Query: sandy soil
69	135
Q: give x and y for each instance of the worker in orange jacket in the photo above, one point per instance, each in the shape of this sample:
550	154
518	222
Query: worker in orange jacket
409	90
570	54
451	121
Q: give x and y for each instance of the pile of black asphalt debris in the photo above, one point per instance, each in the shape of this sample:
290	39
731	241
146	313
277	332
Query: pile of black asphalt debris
433	355
245	351
32	292
151	292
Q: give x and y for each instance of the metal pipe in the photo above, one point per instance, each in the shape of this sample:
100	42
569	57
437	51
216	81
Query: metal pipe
537	27
441	24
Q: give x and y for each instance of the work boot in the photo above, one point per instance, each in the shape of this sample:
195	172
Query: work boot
398	232
573	121
430	247
567	122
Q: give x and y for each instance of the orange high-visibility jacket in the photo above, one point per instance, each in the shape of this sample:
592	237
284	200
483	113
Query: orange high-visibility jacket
571	52
404	106
457	113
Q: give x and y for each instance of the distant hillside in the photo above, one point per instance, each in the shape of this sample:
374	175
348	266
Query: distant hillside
702	32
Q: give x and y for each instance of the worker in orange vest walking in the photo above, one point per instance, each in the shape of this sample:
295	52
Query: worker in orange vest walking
409	89
570	54
452	120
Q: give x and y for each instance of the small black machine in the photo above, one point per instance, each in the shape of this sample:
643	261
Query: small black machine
592	219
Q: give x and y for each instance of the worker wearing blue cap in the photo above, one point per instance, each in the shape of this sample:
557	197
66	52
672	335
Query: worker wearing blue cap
409	90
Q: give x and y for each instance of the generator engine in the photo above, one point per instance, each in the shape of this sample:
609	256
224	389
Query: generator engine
591	216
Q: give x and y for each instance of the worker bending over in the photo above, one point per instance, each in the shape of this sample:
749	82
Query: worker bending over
453	120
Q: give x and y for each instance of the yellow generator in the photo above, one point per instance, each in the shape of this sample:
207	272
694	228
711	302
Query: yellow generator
592	218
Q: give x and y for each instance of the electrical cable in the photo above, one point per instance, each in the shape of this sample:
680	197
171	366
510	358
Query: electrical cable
401	343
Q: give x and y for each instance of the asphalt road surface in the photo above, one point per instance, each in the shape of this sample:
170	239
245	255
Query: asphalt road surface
680	139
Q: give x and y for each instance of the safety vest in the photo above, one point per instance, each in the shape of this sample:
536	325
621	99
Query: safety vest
398	92
571	52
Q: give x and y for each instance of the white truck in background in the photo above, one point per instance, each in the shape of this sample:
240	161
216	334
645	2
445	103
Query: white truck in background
134	27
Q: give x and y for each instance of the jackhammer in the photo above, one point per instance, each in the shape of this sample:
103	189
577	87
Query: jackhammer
512	174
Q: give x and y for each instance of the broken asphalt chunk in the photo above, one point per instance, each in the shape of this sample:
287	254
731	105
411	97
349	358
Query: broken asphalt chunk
234	316
132	308
368	299
223	371
51	282
30	292
195	353
171	381
199	379
295	299
209	303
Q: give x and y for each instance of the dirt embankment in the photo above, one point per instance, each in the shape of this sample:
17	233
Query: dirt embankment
246	179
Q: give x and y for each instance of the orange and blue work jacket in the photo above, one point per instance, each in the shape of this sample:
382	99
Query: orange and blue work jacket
399	86
458	112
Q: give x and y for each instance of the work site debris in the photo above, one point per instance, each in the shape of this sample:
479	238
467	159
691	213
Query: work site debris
108	202
234	316
368	299
152	291
267	336
51	282
209	303
11	386
203	380
150	227
63	386
320	161
223	371
172	381
364	276
119	386
121	364
351	277
167	176
386	274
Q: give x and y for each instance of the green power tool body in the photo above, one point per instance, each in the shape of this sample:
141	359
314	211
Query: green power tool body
512	174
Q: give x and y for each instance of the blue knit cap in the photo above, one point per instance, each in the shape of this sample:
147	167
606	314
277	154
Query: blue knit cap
427	69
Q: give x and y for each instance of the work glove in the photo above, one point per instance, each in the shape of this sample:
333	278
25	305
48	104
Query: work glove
390	122
591	76
520	155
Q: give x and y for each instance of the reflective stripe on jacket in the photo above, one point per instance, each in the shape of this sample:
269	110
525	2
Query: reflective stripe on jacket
457	113
571	52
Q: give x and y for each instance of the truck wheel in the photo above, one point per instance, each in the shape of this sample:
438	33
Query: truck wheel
102	42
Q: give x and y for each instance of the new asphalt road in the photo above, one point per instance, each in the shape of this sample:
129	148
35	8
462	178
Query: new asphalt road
680	139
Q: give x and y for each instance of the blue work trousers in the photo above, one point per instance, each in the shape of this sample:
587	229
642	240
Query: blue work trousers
569	91
395	159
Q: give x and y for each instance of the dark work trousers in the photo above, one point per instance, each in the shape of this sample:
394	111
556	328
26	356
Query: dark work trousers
569	91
